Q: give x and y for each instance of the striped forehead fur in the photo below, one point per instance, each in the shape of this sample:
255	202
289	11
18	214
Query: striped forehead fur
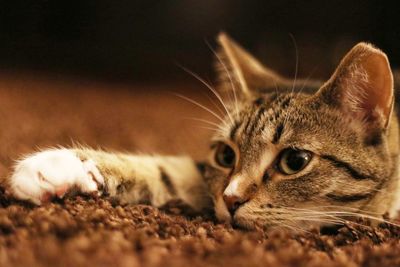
288	120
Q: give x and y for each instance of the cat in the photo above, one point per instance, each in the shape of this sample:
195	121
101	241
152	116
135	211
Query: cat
290	154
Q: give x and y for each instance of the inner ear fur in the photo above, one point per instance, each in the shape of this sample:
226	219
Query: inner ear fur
237	66
362	86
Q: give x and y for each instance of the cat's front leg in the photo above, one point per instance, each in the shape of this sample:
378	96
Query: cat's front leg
133	179
46	174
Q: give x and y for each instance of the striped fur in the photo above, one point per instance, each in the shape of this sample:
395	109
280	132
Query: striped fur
354	146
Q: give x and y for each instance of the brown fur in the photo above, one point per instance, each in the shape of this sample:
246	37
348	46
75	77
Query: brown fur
347	124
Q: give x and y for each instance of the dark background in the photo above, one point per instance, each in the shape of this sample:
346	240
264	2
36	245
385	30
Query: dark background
144	40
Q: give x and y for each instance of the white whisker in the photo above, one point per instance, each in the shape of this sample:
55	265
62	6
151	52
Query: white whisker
294	228
209	128
367	188
211	89
214	103
345	214
233	87
348	208
306	80
321	220
218	126
201	106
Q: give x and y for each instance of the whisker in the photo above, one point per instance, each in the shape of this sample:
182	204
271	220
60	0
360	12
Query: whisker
201	106
349	208
367	188
334	221
307	79
309	216
346	214
295	224
205	121
276	88
211	89
330	216
214	103
322	220
233	87
316	216
295	228
209	128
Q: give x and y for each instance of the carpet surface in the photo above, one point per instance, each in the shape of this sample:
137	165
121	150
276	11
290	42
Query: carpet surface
37	112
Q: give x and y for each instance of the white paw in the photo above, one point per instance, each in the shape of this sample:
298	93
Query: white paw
52	173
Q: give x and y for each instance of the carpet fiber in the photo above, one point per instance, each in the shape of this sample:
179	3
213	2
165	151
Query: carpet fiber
86	231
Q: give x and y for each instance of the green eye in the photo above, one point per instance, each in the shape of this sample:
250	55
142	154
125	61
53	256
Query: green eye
225	156
292	161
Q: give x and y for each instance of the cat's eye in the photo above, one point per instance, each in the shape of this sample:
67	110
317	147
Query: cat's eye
225	155
292	161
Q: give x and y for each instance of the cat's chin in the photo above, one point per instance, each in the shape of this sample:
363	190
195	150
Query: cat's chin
221	211
243	220
242	223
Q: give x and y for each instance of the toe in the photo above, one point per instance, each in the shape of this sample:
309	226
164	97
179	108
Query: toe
46	197
62	190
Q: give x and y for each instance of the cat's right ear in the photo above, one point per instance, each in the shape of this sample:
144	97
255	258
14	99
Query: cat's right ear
362	87
239	70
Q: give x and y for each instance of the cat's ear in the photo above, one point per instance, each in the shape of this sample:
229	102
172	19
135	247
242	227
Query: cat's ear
238	68
362	86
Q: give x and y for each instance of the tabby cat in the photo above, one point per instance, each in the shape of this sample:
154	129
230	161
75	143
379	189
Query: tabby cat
288	153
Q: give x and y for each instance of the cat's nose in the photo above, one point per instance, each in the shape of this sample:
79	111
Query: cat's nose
233	202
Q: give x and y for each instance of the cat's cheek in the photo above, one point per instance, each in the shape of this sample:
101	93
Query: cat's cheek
243	219
221	211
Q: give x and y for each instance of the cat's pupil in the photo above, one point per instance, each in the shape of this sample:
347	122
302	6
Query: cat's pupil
293	161
225	156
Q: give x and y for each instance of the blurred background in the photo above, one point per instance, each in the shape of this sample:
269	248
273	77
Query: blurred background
103	73
143	40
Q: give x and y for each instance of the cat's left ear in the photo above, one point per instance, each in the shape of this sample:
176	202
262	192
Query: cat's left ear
362	86
236	65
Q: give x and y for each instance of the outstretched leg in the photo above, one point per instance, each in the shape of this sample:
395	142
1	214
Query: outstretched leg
153	180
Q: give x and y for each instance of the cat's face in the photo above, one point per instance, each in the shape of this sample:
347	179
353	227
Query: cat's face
298	159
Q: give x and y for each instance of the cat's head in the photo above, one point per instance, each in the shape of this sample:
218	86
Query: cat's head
303	153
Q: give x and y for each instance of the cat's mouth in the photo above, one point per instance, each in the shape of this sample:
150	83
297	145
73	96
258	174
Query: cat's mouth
243	223
244	218
238	219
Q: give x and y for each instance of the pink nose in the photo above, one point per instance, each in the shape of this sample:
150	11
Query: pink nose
233	202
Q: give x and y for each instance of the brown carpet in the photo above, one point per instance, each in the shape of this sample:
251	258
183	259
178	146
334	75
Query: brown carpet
83	231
